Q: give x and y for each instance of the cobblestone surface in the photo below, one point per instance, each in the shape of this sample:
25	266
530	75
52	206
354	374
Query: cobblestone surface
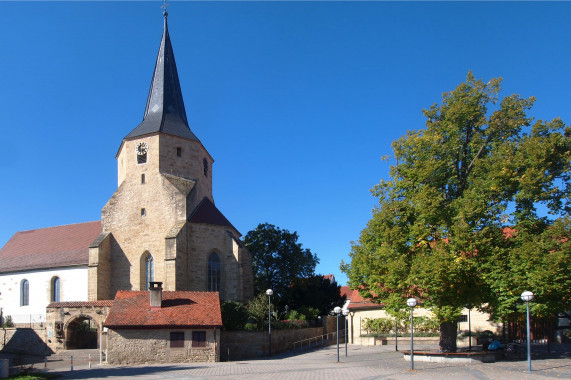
362	362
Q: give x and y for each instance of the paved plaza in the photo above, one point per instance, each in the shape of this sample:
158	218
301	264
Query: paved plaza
362	362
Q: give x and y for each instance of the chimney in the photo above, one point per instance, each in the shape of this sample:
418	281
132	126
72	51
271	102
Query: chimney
156	294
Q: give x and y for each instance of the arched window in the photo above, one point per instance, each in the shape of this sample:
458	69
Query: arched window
24	293
56	287
213	273
149	271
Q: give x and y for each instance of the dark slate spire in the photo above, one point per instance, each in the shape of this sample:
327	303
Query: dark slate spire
165	108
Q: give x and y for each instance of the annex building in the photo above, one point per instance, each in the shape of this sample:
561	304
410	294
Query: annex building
160	226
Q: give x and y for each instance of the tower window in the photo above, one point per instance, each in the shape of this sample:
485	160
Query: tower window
149	271
205	165
142	178
213	273
178	151
143	212
142	158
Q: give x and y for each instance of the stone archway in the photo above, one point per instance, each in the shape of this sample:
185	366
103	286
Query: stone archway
81	333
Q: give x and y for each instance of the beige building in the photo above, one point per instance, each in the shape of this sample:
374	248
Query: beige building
160	225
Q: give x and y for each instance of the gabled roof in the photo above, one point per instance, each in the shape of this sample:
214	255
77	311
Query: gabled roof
132	310
165	110
206	212
50	247
358	302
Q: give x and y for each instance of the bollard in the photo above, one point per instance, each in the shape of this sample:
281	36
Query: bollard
71	363
45	364
89	360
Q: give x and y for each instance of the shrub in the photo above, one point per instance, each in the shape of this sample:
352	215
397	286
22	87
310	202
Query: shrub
234	315
378	325
250	327
8	321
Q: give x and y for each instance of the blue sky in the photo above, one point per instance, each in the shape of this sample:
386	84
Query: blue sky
296	101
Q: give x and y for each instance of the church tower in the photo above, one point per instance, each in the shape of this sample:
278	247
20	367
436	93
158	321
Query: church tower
161	223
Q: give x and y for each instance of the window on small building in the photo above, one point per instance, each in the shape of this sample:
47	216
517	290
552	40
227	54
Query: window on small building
177	339
463	318
199	339
205	165
178	151
213	273
24	293
55	291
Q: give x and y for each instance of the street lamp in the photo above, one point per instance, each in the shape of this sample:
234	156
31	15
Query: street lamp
411	302
269	292
345	314
528	296
337	311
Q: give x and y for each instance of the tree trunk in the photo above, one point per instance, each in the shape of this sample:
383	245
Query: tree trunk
448	336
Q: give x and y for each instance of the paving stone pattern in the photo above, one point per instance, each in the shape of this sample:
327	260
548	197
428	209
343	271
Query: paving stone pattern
362	362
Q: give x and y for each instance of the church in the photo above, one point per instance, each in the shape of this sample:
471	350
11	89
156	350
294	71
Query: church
161	226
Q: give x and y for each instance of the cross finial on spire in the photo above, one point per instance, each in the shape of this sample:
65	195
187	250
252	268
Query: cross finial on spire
165	5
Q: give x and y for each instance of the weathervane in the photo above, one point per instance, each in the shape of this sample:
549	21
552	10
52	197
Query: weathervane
165	13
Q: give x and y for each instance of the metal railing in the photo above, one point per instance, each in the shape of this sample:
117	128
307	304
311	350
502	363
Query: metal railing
319	341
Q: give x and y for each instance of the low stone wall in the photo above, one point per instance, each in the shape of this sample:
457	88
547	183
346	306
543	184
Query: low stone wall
24	341
241	345
402	341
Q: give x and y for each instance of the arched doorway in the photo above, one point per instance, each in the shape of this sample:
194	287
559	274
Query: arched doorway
81	333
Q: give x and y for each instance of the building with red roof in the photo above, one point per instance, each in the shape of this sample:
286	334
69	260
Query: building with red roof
157	326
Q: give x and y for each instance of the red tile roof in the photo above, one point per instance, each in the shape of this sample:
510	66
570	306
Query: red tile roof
358	302
50	247
345	291
206	212
179	309
329	277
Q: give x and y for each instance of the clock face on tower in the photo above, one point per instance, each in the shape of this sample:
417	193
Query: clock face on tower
142	148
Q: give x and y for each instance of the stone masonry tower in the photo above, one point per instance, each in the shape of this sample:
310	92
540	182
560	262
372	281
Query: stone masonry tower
161	223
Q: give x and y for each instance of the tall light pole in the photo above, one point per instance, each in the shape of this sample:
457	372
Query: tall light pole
528	296
337	311
411	302
269	292
345	314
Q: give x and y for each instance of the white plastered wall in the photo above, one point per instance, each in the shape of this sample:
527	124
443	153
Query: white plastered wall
73	287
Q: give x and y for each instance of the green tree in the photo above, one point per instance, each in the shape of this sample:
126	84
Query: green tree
234	315
439	232
277	258
314	291
258	309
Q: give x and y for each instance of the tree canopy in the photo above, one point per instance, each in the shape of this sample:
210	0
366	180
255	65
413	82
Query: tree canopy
315	291
277	258
476	211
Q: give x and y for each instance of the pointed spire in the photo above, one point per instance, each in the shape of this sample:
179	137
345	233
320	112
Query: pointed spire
165	110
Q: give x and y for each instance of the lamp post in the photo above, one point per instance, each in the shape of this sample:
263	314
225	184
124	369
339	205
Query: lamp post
337	311
345	314
269	292
528	296
469	307
411	302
